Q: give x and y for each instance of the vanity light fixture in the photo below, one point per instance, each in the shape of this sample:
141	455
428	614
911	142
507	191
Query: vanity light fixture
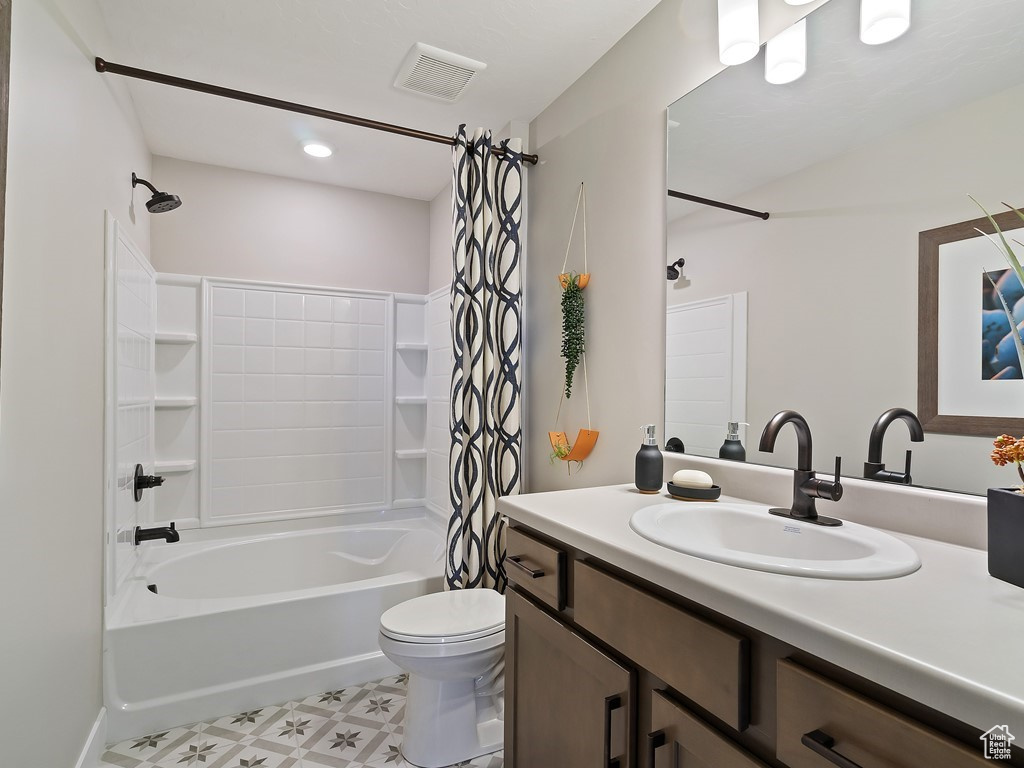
785	56
316	149
882	21
739	35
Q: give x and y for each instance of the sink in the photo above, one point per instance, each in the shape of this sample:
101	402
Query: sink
745	535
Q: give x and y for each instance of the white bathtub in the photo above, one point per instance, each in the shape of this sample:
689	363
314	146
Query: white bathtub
242	623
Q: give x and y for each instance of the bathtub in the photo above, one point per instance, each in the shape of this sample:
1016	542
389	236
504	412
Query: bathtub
241	623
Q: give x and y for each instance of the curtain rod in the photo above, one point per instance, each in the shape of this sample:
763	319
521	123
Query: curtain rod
716	204
288	106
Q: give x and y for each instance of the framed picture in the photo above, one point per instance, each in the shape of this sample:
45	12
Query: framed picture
970	380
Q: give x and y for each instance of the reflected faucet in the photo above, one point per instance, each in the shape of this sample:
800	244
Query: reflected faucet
806	487
874	469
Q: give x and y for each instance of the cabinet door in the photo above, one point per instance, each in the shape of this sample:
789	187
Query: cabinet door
679	739
567	703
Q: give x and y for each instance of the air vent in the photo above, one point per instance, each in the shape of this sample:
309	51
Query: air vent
438	74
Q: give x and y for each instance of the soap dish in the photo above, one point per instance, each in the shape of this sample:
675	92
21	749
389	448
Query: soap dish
694	494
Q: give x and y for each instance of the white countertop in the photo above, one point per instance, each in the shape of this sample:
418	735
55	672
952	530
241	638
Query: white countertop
948	635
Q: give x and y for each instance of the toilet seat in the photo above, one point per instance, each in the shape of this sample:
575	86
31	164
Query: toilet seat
446	617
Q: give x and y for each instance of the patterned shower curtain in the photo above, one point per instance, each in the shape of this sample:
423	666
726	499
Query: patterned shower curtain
486	434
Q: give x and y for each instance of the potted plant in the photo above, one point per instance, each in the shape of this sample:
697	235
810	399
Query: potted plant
1006	515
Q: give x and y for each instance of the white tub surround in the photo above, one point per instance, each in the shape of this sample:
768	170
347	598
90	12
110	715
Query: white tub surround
237	623
947	635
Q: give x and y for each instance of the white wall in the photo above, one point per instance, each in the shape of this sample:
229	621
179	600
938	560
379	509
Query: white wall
255	226
440	275
608	130
74	143
835	270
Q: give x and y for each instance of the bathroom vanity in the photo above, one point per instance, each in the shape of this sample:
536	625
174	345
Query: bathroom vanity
621	652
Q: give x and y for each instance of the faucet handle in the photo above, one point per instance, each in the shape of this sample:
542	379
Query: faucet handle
906	470
835	488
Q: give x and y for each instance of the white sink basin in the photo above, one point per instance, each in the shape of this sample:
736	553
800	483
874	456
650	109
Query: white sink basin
745	535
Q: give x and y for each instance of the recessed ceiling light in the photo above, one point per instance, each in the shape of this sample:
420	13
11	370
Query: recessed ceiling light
316	149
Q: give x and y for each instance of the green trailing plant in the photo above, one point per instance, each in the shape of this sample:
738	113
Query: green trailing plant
1003	246
562	450
572	328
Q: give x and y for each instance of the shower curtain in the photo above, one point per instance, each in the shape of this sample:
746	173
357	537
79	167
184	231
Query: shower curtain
486	433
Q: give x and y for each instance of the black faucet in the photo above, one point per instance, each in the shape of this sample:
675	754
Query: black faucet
806	487
168	534
874	469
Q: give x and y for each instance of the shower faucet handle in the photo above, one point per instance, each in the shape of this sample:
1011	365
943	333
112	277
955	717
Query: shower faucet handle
144	481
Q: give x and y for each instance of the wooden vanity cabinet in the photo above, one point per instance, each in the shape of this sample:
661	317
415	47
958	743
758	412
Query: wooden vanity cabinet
567	703
605	671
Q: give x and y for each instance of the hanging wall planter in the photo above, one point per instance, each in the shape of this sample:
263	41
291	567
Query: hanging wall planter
574	351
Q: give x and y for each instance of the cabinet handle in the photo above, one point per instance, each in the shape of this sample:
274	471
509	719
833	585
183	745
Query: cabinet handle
533	573
822	743
655	741
611	703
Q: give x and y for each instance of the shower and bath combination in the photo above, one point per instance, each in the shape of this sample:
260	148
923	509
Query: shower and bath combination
161	202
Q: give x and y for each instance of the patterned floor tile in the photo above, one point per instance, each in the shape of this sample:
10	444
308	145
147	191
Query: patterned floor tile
356	727
151	748
245	725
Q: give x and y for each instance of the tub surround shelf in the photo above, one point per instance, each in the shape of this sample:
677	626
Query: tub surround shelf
175	467
411	346
411	400
411	453
164	403
170	337
920	635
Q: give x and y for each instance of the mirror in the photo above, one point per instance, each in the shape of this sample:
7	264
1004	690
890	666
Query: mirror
872	146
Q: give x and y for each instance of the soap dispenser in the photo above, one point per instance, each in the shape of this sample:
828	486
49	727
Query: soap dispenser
732	448
650	467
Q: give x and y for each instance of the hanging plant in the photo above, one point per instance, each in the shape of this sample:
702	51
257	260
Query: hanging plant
572	326
573	350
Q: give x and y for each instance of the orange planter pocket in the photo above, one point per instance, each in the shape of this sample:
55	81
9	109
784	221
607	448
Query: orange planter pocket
563	280
581	449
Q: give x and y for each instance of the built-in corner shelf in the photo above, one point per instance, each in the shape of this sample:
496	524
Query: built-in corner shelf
411	453
411	400
167	403
176	338
175	467
411	346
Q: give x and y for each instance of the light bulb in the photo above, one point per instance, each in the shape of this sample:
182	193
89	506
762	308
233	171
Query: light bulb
882	21
798	2
785	57
738	31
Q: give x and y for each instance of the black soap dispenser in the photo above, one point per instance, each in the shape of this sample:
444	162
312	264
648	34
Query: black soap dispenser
732	448
650	466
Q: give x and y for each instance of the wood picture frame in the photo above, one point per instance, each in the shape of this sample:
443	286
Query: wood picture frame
928	309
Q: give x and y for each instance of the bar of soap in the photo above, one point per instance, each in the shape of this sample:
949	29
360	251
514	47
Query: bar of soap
692	478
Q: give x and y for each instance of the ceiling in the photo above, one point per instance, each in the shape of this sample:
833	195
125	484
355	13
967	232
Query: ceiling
344	55
736	133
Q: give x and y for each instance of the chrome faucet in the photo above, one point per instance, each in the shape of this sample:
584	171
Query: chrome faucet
806	487
874	469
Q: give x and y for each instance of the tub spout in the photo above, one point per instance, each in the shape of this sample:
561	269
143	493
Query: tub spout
167	533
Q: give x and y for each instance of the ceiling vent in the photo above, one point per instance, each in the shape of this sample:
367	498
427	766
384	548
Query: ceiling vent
438	74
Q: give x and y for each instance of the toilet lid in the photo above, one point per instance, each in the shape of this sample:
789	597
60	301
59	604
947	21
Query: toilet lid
463	614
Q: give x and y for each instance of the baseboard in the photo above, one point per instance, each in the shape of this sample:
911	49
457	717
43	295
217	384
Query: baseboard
93	748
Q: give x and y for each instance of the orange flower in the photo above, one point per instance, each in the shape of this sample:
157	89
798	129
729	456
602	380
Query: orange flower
1009	450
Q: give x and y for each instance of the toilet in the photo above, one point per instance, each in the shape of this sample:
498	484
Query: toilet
452	644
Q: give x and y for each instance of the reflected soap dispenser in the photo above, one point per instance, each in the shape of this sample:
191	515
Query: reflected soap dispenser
650	466
732	448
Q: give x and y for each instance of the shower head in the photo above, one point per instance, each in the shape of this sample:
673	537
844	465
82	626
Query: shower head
674	269
160	202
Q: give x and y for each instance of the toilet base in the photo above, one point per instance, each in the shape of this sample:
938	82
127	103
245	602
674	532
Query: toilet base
446	722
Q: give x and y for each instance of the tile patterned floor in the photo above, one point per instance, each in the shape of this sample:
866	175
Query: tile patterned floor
358	727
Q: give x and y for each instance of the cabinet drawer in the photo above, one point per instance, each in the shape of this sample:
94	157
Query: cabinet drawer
705	663
840	724
680	739
536	568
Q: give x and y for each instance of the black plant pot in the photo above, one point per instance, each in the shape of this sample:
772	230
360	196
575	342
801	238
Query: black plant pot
1006	535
